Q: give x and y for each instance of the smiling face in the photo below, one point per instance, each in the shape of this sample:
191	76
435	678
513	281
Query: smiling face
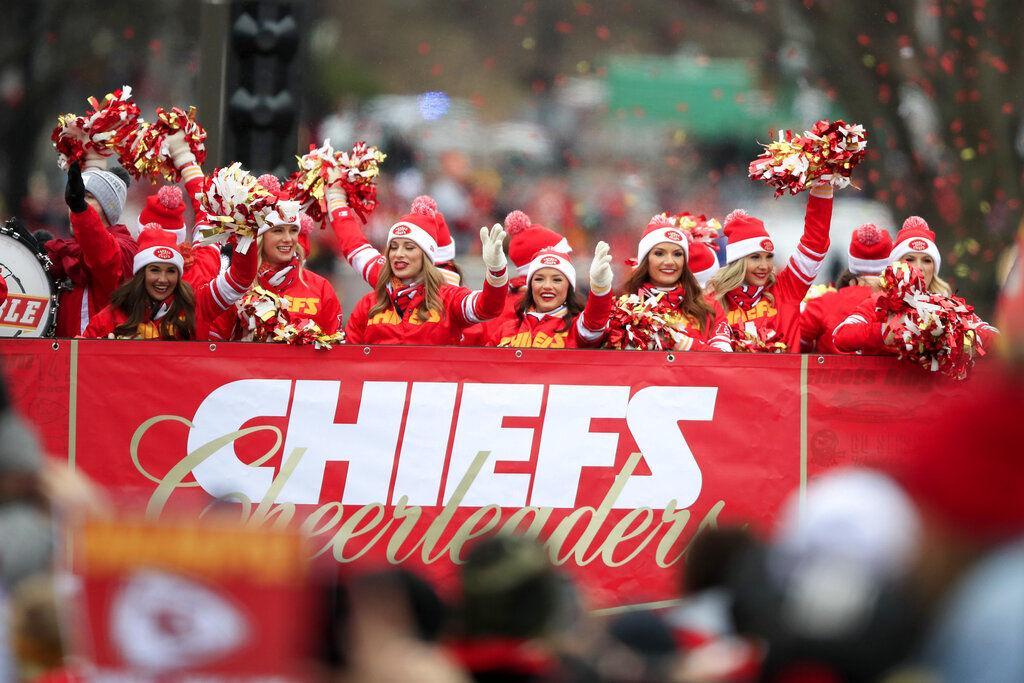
279	244
665	263
760	265
923	262
405	258
161	280
550	288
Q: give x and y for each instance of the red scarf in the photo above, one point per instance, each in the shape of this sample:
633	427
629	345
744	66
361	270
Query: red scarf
278	279
66	255
404	297
744	297
673	297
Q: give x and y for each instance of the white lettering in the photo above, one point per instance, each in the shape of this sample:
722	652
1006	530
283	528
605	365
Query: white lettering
425	442
567	445
483	409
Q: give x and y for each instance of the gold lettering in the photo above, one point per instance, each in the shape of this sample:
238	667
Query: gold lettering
350	529
467	532
621	532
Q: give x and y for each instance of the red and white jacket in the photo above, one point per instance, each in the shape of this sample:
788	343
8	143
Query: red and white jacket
96	260
751	313
211	301
482	334
309	296
400	324
552	330
821	315
202	261
861	332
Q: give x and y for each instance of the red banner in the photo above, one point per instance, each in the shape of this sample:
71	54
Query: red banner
405	455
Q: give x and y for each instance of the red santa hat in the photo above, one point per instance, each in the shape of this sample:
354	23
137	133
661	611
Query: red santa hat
660	229
157	245
916	236
421	225
526	238
166	208
703	262
870	247
551	258
746	235
445	244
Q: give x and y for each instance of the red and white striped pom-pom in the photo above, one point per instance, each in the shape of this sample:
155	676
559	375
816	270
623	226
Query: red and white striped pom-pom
170	196
424	205
516	222
355	171
101	130
235	204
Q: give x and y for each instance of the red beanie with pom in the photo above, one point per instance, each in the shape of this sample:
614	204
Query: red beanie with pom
703	262
527	238
746	235
870	247
421	225
916	236
445	245
166	208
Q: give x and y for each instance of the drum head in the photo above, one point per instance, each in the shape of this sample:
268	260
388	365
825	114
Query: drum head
29	309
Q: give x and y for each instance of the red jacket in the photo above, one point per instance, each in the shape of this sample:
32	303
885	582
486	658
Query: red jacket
482	334
716	335
861	331
399	323
311	297
96	261
779	313
353	246
821	316
202	262
211	300
553	331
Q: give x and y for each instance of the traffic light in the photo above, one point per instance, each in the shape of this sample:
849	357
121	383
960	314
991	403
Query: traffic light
263	81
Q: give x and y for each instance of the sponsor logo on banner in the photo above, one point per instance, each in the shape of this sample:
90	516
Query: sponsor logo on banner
918	245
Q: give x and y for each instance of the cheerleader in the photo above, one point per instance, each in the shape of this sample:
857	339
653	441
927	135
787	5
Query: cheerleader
866	258
281	274
762	306
861	332
412	303
157	303
526	238
550	315
663	269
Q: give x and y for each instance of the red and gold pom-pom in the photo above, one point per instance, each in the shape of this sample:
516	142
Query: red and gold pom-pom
824	155
357	171
235	204
760	340
307	333
643	323
146	154
101	130
935	331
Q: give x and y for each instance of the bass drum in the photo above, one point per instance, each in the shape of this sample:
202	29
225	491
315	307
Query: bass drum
30	309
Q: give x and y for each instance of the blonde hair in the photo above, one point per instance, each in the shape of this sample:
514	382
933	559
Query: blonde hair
939	286
730	277
298	250
433	280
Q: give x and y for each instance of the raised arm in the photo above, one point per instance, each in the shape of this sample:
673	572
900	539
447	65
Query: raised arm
796	278
102	251
487	303
593	322
352	244
228	287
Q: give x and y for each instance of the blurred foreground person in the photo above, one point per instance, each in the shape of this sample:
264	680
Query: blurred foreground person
968	483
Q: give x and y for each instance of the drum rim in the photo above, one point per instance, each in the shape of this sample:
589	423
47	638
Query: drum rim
13	228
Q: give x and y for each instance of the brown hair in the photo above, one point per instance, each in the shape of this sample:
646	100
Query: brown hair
132	299
573	305
432	283
694	304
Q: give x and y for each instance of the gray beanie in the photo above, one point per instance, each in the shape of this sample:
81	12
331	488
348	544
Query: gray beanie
109	190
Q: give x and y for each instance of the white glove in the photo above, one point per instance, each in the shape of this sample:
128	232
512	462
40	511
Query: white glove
179	150
493	241
823	189
336	196
601	269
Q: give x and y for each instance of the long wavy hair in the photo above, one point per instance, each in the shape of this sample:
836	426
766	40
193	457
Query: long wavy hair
940	286
133	300
432	283
695	306
573	306
732	276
